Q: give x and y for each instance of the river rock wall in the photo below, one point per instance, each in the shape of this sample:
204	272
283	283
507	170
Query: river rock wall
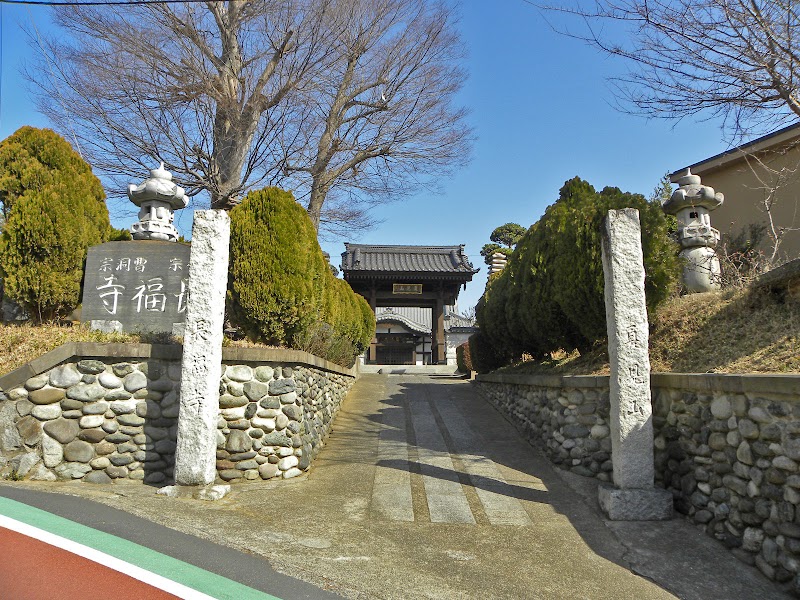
726	446
103	418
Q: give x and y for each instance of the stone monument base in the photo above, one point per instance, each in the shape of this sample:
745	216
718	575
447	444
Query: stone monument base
635	504
198	492
105	326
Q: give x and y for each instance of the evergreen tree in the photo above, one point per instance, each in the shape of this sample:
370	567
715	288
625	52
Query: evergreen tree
277	272
550	295
504	239
508	235
54	209
281	290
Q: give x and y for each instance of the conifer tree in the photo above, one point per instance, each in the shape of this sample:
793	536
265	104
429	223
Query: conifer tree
281	290
550	295
54	209
277	271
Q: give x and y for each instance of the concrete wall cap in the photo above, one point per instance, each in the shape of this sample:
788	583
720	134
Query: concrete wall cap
71	350
702	382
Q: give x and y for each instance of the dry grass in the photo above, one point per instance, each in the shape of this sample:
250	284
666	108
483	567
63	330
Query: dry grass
728	332
22	343
722	332
563	363
725	332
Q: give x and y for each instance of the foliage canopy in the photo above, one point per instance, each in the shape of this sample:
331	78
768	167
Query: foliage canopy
54	209
504	238
550	295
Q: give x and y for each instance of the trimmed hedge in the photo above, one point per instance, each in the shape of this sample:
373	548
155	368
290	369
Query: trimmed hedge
550	295
484	355
55	209
463	358
281	290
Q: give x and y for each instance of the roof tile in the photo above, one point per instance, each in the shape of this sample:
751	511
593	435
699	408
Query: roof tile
404	259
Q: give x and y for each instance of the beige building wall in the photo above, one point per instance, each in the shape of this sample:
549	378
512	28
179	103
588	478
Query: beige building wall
751	181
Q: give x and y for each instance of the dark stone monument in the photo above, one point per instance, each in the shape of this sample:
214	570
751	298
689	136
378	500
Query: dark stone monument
136	286
142	285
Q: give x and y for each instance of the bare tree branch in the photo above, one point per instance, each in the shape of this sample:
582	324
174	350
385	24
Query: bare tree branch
734	59
344	101
383	118
195	85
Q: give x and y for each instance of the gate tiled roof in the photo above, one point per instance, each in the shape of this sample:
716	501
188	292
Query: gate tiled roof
407	259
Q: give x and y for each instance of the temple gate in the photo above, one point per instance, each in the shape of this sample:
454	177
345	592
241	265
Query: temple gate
407	276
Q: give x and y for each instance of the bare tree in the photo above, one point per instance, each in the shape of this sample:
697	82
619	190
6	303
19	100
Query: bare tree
201	86
308	94
738	59
381	118
773	177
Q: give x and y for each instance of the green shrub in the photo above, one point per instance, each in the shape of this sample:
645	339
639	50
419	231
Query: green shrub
281	290
277	272
577	263
55	209
320	339
550	295
484	355
349	314
463	358
489	309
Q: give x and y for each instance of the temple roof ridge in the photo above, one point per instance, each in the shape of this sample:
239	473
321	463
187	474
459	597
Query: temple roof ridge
406	258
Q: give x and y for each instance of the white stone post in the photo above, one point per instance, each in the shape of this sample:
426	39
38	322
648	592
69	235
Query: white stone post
201	367
633	498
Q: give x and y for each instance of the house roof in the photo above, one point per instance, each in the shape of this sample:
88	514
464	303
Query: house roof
414	318
407	259
456	322
419	319
771	140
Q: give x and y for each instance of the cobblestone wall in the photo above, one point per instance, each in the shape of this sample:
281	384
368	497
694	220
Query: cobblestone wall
565	417
727	446
100	419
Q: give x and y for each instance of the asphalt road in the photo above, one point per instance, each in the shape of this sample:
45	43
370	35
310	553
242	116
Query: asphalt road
231	565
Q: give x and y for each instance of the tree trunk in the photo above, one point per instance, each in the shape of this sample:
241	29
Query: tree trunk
318	193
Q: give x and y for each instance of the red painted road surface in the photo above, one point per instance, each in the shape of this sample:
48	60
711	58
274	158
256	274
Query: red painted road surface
33	570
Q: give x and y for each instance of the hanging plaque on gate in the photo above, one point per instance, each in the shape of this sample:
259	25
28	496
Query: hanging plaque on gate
406	288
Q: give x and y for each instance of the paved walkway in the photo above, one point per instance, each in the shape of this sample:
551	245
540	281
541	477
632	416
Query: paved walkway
425	491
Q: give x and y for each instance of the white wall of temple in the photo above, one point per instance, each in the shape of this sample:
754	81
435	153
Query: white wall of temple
453	341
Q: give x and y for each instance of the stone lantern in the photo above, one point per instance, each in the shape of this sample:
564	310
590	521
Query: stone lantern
499	261
691	203
157	198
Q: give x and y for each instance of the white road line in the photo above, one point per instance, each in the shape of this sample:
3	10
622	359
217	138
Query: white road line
391	491
489	484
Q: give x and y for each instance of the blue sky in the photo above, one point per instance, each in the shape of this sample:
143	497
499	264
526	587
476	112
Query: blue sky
542	112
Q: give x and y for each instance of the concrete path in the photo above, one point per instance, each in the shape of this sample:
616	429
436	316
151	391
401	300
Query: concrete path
425	491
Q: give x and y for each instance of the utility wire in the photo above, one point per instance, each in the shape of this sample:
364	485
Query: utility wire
97	2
